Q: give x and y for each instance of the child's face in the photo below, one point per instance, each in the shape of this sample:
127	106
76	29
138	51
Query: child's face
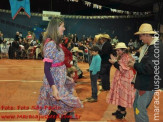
72	75
69	45
94	52
119	52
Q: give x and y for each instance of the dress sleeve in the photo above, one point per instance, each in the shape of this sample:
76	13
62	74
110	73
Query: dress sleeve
124	63
49	51
48	74
116	65
49	55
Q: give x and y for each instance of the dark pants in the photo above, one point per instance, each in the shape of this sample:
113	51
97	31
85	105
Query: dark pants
86	58
105	76
89	59
52	117
94	84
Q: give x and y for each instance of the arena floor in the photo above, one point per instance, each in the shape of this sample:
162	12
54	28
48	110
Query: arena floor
20	82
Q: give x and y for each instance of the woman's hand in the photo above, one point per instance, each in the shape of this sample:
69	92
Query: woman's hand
55	92
113	57
131	63
69	78
72	80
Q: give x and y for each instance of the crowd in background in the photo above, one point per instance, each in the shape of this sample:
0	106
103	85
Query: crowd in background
30	47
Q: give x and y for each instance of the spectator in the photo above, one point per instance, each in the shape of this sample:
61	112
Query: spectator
94	69
105	65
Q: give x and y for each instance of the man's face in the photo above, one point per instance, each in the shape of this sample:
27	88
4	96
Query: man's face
144	38
101	41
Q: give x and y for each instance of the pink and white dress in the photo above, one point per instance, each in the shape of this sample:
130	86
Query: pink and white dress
122	92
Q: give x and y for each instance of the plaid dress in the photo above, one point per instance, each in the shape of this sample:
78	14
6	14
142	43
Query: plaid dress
46	101
122	92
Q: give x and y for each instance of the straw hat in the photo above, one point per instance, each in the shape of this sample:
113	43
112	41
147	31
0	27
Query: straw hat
98	36
121	45
145	28
106	36
75	49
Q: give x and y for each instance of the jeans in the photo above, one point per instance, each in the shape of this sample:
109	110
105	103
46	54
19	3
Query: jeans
140	105
94	84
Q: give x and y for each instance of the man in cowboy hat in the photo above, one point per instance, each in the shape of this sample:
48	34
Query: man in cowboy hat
148	76
106	50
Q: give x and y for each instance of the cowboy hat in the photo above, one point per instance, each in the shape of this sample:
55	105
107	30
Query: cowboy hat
98	36
121	45
145	28
106	36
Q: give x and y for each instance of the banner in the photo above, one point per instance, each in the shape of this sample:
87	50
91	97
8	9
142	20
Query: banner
47	15
17	5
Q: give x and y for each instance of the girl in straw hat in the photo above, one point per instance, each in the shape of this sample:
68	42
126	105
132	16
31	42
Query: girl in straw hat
122	92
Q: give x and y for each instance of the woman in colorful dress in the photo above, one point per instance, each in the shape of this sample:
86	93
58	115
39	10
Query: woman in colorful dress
54	95
122	91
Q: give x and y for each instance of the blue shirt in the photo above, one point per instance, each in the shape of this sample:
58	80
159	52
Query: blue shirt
95	64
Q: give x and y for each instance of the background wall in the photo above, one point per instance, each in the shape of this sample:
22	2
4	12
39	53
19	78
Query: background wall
123	28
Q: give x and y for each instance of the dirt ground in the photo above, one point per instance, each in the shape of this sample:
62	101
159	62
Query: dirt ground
20	82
